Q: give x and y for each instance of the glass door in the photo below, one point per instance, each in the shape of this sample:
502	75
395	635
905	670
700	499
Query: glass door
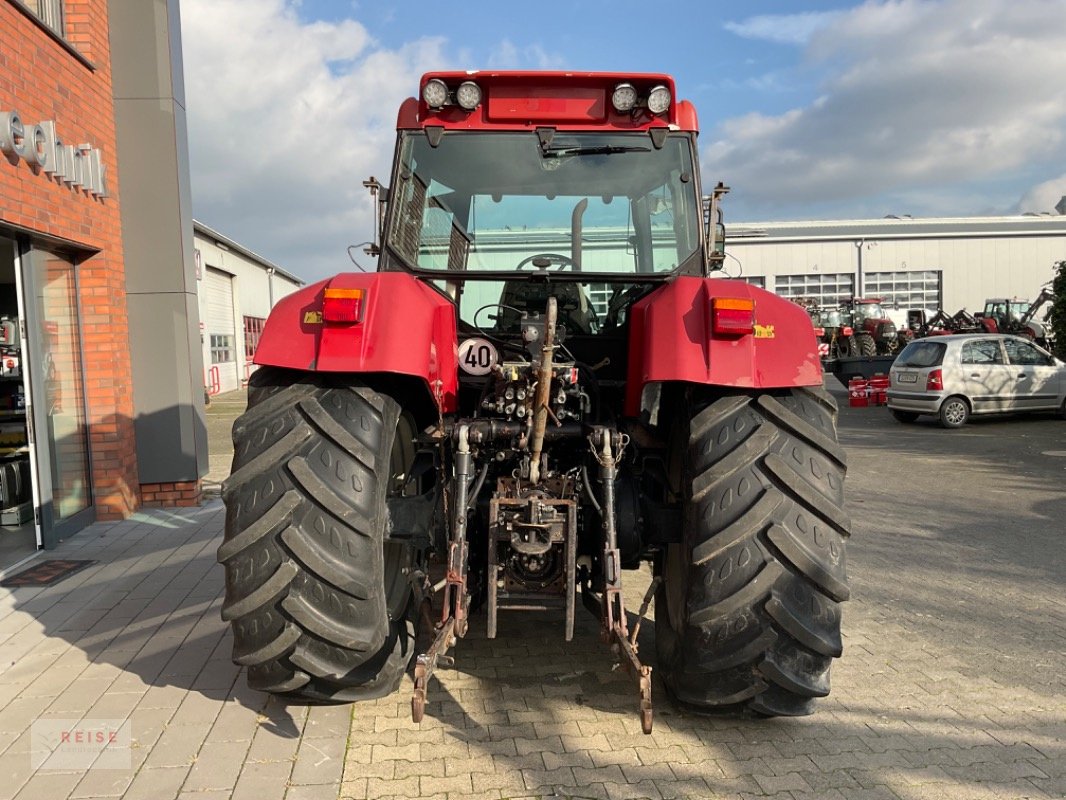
53	358
20	534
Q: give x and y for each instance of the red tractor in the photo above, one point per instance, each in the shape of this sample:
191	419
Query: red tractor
875	334
1017	317
539	388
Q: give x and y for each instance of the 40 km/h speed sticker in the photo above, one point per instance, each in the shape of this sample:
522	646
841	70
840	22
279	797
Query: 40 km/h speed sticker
477	356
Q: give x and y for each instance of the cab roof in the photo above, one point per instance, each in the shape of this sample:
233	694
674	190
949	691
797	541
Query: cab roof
527	100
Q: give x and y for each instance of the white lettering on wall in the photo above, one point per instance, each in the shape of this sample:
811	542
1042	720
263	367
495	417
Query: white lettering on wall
40	146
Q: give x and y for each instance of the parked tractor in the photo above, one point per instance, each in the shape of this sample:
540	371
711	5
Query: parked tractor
1002	315
541	387
835	340
875	333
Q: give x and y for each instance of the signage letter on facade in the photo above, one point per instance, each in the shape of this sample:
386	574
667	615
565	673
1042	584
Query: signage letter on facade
40	146
12	134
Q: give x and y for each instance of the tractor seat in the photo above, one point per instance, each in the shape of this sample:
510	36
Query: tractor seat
575	313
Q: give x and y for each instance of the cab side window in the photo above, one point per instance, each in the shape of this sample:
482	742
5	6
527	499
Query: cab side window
1024	354
982	351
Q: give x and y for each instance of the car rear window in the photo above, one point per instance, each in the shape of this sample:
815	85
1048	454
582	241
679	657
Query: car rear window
921	354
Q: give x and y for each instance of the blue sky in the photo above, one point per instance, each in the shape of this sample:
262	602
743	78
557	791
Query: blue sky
809	110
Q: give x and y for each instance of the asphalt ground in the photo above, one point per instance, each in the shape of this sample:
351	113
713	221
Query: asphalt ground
951	684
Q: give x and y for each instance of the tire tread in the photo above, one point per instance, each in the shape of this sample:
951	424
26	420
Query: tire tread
765	572
303	548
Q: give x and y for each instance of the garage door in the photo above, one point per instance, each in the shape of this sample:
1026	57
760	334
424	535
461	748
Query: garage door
911	289
828	290
222	364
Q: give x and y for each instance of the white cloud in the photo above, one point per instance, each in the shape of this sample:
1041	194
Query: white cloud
507	55
1044	196
782	28
923	95
286	119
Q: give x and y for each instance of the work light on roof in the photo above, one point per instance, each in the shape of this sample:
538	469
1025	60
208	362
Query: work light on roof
435	93
468	95
658	100
624	97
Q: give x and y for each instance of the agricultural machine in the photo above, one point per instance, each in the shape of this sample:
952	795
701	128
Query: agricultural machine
875	333
1017	317
541	387
835	339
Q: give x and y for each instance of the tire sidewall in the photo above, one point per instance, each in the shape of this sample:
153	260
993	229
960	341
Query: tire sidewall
954	412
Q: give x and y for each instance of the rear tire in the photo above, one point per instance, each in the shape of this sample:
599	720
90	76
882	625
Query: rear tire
954	412
867	345
748	614
905	417
318	602
847	347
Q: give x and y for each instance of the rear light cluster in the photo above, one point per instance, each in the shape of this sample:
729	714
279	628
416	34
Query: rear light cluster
732	316
935	381
343	305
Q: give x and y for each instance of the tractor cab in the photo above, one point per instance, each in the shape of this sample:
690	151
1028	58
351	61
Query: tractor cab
1007	314
864	310
501	217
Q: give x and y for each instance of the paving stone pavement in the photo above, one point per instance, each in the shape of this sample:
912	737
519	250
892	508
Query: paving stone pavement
952	686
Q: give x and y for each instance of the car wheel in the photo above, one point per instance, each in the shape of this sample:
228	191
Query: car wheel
954	412
904	416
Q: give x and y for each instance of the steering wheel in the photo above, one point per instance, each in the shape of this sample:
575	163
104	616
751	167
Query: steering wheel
545	260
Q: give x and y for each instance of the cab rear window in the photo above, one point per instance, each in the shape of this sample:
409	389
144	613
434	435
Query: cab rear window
921	354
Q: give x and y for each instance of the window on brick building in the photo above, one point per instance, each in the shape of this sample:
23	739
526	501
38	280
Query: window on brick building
50	12
221	348
253	329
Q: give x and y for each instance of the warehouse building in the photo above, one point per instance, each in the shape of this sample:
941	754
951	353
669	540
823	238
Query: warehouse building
948	263
237	290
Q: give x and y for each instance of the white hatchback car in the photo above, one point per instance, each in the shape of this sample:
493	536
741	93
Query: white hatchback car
956	376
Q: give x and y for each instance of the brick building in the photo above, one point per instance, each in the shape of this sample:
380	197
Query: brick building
95	242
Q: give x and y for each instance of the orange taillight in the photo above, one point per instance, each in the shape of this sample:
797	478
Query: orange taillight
732	316
343	305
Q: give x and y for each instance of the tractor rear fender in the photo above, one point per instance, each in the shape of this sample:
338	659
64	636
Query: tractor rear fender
671	339
403	328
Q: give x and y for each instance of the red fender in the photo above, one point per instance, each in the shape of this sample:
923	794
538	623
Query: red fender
406	328
670	340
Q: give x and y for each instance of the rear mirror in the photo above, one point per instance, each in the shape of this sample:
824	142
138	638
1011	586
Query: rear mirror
715	227
719	239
